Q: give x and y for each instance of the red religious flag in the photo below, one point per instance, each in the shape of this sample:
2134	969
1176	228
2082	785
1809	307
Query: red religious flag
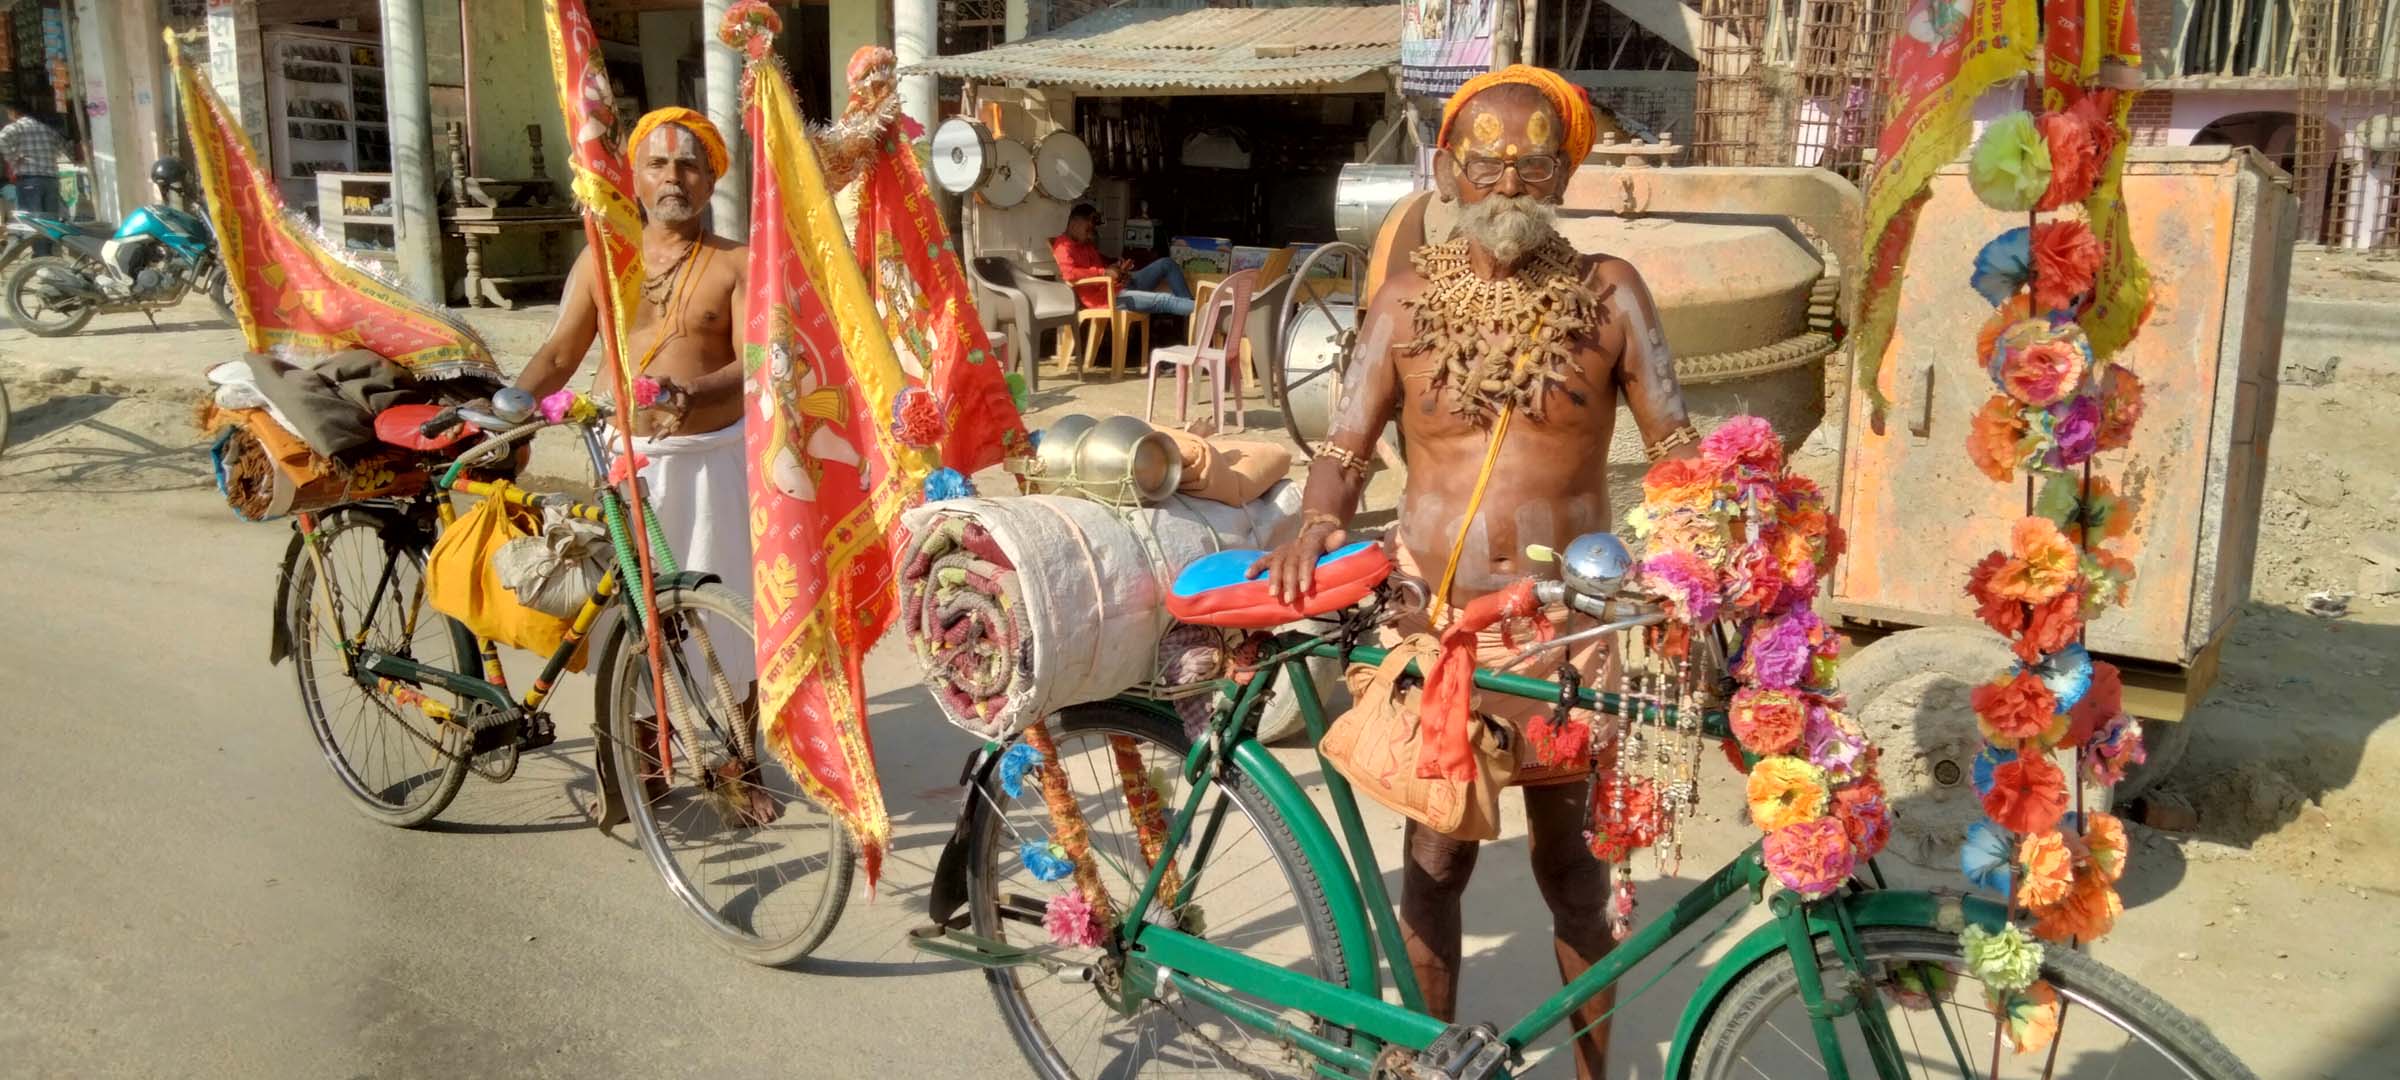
1947	54
921	292
603	179
292	293
827	476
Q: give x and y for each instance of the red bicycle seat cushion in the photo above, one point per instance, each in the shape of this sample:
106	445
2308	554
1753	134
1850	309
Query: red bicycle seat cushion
1218	590
397	426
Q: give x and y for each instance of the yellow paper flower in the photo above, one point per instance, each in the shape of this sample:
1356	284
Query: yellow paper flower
1785	791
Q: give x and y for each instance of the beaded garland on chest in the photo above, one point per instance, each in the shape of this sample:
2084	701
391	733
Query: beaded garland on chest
1504	342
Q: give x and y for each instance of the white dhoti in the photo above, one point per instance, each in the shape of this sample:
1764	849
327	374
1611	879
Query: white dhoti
700	489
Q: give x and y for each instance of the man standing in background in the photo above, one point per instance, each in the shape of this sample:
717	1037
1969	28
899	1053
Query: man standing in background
31	150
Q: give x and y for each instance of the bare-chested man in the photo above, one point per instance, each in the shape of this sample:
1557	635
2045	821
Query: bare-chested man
686	334
1505	324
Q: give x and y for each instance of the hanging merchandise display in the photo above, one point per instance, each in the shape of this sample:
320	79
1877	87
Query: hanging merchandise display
1736	545
2068	292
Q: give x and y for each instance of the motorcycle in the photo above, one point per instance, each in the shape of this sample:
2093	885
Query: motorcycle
158	255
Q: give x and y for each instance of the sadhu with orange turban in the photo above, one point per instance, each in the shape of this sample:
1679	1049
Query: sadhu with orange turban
668	150
1516	350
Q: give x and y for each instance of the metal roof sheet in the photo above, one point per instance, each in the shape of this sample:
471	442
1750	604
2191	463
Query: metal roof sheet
1208	49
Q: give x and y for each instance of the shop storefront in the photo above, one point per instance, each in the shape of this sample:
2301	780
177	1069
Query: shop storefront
1215	137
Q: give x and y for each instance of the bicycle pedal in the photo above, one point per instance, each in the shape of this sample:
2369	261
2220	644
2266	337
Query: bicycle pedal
1460	1053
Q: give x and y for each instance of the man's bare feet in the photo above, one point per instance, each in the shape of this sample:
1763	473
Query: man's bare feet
749	802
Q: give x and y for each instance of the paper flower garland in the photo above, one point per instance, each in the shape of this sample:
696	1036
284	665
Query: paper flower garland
1730	535
2056	403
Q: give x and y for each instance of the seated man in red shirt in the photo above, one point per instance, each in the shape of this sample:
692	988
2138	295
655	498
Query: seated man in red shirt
1137	290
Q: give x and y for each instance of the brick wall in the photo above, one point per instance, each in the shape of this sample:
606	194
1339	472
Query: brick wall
2151	114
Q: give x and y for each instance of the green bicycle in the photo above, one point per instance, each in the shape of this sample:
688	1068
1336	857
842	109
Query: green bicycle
404	701
1256	944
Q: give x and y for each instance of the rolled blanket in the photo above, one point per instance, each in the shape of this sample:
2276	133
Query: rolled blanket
1018	607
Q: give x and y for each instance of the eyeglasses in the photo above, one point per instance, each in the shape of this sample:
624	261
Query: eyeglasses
1483	172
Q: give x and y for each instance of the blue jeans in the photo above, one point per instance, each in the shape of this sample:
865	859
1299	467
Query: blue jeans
1142	295
39	195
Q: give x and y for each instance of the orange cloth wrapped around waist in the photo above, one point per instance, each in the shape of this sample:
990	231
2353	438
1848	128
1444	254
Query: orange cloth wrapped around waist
1495	648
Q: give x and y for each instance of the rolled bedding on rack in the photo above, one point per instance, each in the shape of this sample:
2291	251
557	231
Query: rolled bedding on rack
1018	607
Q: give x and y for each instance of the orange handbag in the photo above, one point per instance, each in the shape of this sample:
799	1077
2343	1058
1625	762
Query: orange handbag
1375	745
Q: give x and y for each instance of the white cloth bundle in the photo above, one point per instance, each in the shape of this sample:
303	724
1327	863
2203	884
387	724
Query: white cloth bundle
1018	607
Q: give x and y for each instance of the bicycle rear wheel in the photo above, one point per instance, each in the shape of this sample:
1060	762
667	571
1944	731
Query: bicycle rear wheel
1277	914
2109	1025
738	840
365	582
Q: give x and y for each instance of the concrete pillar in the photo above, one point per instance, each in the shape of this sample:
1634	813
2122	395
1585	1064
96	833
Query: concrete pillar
236	66
418	238
730	210
916	33
99	70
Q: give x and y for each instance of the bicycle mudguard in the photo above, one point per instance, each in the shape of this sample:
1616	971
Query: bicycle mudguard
279	636
609	812
946	898
1948	912
606	623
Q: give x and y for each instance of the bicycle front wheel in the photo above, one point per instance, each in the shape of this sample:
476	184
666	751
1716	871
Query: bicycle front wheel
741	845
1251	889
2108	1025
357	580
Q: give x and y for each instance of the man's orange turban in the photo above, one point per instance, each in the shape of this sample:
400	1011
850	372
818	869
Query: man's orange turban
711	140
1573	105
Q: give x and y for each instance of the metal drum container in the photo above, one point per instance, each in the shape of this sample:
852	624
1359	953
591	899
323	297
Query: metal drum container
1363	195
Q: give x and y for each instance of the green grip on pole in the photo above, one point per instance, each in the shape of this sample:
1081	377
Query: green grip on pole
612	510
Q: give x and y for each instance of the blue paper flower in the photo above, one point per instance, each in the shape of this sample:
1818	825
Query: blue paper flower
1991	757
1045	861
947	483
2004	266
2068	674
1020	761
1984	859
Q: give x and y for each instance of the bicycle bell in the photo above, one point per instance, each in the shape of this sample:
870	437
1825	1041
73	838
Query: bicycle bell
513	404
1595	564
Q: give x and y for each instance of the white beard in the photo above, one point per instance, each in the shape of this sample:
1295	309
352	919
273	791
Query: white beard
1507	227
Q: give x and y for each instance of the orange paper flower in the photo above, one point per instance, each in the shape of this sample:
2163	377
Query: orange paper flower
2074	166
2088	913
2041	370
2066	257
2104	839
2101	703
2018	309
1767	722
2029	795
2014	709
2003	615
1993	438
2045	562
2050	626
2120	407
2045	870
1785	791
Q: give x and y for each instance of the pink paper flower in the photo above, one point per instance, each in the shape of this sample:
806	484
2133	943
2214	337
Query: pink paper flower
1685	580
1811	858
1744	440
1779	651
645	391
1835	744
556	405
2075	424
1070	920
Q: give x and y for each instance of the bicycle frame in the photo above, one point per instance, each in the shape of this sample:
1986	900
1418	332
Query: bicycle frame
380	670
1366	922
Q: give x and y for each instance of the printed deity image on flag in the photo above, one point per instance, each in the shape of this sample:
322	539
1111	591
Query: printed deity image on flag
827	475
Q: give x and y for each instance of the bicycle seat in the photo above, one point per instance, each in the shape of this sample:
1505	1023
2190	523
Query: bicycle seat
1217	590
397	426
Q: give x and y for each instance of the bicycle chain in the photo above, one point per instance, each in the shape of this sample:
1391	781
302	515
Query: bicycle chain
1224	1053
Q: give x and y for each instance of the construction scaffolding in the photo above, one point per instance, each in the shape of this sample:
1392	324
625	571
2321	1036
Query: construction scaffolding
2348	112
1792	82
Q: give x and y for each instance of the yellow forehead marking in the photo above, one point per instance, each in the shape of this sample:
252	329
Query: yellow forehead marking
1537	130
1487	128
1512	150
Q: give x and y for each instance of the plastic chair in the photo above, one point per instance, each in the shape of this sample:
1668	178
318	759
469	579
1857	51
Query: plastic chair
1219	333
1025	305
1117	321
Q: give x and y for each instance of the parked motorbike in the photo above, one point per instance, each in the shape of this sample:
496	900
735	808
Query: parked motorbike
158	255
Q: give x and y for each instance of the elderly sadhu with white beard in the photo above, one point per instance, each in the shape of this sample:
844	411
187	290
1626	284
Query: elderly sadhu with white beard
1503	341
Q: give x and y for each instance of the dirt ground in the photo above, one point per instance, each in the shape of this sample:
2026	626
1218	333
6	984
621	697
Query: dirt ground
2271	905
